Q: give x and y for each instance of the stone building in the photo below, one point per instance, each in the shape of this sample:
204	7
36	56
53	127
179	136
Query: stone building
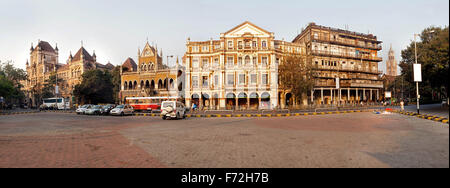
391	63
44	63
150	77
237	71
348	57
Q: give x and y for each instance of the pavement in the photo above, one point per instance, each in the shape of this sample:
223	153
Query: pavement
362	139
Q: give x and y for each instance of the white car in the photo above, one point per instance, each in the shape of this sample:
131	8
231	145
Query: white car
173	109
82	109
121	110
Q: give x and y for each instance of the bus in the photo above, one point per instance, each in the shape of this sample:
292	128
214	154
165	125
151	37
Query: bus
148	104
56	103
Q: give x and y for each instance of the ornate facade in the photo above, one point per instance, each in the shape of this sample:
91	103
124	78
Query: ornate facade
238	71
150	77
349	56
391	64
44	63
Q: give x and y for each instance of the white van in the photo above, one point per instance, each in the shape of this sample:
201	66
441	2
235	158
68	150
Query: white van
173	109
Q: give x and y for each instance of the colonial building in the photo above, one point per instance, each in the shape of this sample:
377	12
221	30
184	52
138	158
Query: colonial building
391	64
237	71
44	63
150	77
346	57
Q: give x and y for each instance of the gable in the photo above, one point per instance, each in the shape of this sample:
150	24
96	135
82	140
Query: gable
247	28
147	51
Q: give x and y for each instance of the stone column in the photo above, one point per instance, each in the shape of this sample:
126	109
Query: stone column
248	102
321	95
348	94
331	91
364	94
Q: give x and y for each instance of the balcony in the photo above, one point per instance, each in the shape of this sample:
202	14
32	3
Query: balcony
353	43
345	55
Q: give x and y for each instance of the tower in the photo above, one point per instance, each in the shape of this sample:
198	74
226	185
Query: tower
391	63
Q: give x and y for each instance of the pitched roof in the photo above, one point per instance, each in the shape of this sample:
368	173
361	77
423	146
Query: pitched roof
86	55
249	23
130	64
45	46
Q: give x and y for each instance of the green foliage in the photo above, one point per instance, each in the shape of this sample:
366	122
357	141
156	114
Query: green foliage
432	53
96	87
296	74
10	77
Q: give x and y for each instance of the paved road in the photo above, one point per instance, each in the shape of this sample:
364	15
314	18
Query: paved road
339	140
430	109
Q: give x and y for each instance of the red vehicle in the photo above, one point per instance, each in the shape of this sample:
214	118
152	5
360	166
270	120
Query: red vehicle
147	103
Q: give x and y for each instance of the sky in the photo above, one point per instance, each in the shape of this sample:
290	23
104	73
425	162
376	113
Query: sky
116	28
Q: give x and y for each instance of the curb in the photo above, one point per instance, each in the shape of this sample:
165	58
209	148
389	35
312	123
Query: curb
423	116
16	113
276	114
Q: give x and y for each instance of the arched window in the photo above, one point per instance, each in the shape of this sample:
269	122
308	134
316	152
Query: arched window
247	60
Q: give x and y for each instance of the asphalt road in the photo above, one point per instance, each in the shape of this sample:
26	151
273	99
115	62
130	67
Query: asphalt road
337	140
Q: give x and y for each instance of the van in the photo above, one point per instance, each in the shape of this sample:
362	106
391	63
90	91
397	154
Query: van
173	110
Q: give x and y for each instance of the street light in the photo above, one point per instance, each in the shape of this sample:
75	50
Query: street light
416	79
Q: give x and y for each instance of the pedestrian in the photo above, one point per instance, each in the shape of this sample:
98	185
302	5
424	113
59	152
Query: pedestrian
402	105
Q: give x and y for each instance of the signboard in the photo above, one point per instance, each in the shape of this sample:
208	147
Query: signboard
417	73
337	83
387	94
56	90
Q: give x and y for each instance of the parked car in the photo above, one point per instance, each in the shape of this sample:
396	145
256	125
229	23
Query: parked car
173	110
83	108
94	110
106	109
121	110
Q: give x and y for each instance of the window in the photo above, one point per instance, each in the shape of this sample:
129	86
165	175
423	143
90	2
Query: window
240	44
240	61
264	80
230	79
216	62
254	44
230	44
205	63
194	48
264	61
217	46
255	61
195	62
264	44
241	78
247	60
194	81
253	78
205	81
230	61
205	49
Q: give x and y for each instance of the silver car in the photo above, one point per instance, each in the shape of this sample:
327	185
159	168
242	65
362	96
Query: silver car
83	108
95	110
121	110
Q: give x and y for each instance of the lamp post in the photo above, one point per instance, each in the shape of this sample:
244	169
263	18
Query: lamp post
416	79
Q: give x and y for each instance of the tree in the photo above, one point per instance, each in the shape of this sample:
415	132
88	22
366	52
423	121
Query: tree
96	87
10	86
432	53
296	74
116	81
